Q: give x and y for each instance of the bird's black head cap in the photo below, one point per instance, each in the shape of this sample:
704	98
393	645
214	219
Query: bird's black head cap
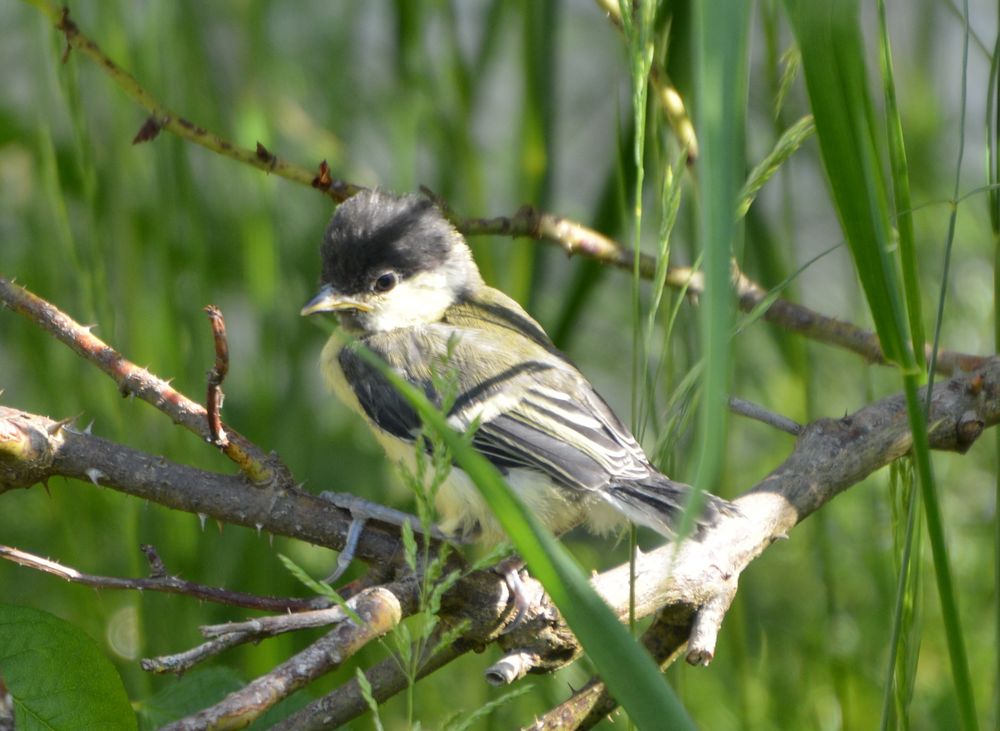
374	231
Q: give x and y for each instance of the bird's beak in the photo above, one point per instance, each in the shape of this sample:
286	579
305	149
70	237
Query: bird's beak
330	300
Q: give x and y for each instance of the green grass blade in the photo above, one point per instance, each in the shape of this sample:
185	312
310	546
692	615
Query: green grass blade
952	218
637	25
537	138
721	58
830	40
935	521
901	192
790	141
905	599
832	61
993	201
670	200
942	570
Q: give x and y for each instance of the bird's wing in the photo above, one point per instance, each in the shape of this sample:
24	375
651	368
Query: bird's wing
530	407
575	439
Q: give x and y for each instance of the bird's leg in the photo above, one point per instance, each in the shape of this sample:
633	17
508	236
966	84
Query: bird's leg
362	511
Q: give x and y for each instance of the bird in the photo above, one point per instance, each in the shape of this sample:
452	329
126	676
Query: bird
402	282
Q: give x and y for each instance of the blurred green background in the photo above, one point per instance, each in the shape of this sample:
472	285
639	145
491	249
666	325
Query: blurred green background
491	105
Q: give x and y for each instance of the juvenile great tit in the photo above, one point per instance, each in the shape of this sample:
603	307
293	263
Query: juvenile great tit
402	282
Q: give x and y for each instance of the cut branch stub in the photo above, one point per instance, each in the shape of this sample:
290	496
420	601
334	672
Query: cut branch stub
25	452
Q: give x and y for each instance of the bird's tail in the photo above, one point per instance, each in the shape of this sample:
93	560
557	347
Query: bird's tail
658	502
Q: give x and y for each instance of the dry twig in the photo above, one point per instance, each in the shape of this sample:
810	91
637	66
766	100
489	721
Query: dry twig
162	582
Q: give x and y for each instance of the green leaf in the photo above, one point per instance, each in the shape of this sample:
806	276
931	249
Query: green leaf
409	544
58	676
366	693
318	587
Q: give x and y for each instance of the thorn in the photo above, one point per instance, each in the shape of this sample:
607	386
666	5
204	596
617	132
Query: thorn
156	568
323	180
57	426
89	429
265	155
201	520
95	475
148	131
259	527
45	486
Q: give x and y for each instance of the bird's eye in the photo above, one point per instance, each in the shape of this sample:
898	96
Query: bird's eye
385	282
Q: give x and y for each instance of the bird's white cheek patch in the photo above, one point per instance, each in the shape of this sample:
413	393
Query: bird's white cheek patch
420	299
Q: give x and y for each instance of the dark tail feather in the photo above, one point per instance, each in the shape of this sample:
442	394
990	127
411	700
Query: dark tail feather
658	503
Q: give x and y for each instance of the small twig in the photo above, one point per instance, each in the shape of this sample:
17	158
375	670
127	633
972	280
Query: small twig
163	583
184	661
347	702
221	637
162	118
214	396
380	612
706	625
759	413
808	323
157	569
132	380
278	624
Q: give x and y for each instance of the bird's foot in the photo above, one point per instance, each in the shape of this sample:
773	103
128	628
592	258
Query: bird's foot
362	511
510	569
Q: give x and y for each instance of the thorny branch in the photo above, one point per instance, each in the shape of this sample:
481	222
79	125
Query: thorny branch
133	380
159	580
214	396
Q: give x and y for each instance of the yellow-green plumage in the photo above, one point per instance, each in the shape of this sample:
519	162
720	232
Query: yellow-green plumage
473	330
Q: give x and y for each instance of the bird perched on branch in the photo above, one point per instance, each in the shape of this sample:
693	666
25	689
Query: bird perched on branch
402	282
